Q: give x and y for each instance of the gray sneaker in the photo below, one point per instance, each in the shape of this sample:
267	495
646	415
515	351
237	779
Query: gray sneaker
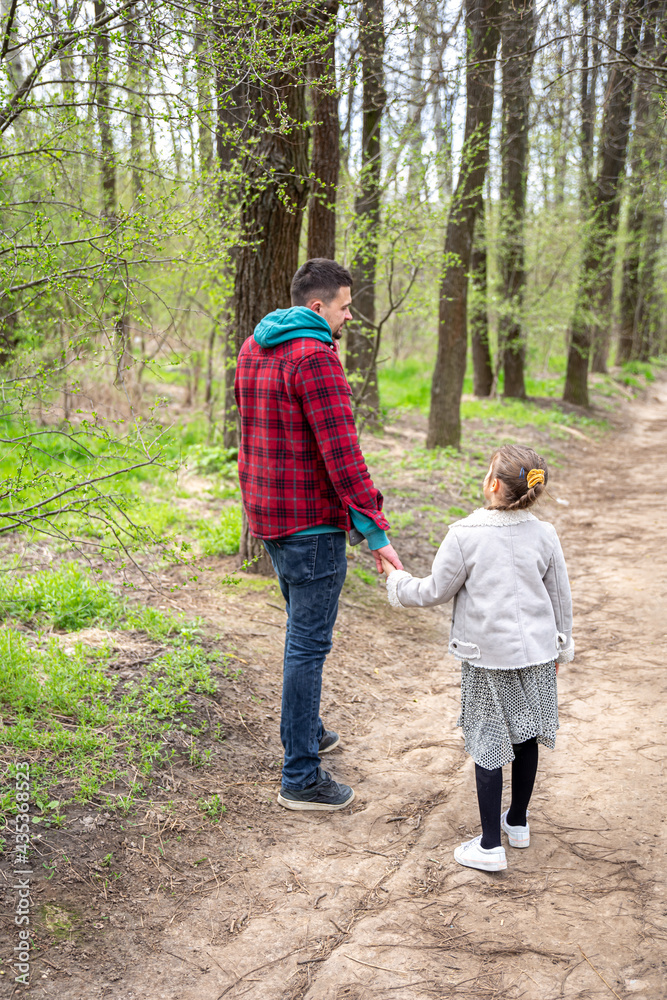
323	795
329	741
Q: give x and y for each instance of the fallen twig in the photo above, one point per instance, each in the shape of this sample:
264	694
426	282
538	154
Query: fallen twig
382	968
598	973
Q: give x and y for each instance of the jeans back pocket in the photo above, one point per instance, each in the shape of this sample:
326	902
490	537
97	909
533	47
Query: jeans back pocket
294	558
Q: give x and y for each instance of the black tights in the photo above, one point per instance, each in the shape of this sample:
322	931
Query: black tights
490	792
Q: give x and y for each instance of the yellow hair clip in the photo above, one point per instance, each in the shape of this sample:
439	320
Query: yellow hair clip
534	477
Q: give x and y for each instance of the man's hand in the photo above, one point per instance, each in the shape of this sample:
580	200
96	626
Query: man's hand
387	554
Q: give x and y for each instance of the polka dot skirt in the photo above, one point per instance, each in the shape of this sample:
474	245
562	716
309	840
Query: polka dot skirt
502	707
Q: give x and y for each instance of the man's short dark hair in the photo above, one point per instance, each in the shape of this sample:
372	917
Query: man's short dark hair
319	278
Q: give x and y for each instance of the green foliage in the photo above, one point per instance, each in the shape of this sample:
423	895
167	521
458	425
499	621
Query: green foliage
62	705
407	385
401	520
631	369
87	727
211	459
213	807
222	538
66	599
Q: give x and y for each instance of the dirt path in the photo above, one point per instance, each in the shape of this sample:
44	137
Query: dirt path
369	903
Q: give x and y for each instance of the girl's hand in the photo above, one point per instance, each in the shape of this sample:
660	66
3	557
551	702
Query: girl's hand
387	566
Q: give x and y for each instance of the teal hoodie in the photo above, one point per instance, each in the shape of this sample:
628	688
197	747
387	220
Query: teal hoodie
288	324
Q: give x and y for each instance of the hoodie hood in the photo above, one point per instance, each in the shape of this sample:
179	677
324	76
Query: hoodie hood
287	324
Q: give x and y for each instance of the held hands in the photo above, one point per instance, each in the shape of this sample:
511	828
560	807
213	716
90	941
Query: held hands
386	559
387	567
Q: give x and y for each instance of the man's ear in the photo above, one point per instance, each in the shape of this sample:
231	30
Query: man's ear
316	306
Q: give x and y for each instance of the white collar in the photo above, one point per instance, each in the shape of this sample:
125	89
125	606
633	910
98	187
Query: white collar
494	518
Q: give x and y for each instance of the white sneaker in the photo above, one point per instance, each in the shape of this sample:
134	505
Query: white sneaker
518	836
472	855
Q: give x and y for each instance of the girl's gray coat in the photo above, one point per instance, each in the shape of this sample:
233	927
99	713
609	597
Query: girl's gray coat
506	573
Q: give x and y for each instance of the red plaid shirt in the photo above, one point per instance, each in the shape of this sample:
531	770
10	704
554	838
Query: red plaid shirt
300	464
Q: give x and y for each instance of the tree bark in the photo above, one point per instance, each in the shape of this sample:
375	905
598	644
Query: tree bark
103	105
478	317
325	155
591	319
276	191
205	129
415	140
361	332
135	68
482	30
517	38
644	201
231	129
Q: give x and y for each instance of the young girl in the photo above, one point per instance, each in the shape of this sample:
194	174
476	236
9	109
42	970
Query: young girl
511	626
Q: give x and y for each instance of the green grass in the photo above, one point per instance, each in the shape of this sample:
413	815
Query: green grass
66	599
524	413
69	713
370	579
407	384
137	505
213	808
221	537
86	728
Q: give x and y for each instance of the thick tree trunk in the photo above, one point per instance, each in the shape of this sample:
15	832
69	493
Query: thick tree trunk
482	29
325	155
478	316
271	214
591	320
362	331
517	35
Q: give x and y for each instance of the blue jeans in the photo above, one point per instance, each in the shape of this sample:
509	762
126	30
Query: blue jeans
311	571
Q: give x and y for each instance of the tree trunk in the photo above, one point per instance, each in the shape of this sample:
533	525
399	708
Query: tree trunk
590	320
230	423
517	37
9	23
651	316
478	317
361	332
103	105
325	156
644	200
118	285
135	68
205	130
442	96
232	121
482	30
415	139
271	214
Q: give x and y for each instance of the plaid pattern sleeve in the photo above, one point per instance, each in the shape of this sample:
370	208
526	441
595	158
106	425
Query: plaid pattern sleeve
325	396
300	464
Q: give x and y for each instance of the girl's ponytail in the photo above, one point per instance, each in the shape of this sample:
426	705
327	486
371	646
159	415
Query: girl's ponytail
524	475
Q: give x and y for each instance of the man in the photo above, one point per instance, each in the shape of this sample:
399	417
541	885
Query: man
304	484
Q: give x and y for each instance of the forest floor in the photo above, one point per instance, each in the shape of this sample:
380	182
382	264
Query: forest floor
369	902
